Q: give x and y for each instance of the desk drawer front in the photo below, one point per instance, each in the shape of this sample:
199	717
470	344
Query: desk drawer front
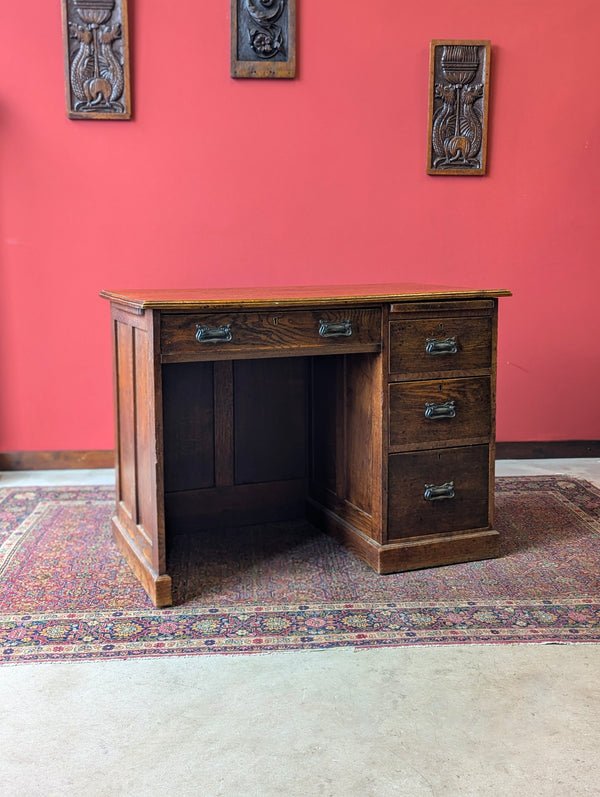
434	412
440	345
436	492
336	330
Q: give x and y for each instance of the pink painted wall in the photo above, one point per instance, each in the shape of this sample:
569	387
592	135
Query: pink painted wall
321	179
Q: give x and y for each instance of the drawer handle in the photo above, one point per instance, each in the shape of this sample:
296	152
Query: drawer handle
335	329
437	411
213	334
439	492
448	346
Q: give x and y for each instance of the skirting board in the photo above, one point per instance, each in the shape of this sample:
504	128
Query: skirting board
67	460
551	449
56	460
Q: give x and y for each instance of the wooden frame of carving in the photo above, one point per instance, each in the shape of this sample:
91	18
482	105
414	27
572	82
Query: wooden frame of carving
459	84
263	38
96	51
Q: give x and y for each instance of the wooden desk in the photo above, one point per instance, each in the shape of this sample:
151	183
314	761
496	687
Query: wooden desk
369	408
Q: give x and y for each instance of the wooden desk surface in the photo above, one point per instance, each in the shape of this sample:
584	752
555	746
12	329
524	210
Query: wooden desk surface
246	298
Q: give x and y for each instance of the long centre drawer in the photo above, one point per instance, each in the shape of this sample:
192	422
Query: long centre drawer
195	336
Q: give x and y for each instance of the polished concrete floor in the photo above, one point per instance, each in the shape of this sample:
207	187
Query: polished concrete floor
477	720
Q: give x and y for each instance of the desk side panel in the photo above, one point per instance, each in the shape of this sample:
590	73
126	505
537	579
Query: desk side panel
139	513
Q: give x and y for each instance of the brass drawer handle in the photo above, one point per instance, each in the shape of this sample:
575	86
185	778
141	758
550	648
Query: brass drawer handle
335	329
439	492
438	411
220	334
434	346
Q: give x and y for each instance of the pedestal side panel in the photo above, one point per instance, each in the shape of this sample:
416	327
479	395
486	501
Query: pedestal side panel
363	393
136	445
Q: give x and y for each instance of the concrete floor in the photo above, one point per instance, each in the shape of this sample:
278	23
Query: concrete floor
460	721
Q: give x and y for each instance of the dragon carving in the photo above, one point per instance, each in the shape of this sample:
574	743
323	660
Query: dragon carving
457	129
96	74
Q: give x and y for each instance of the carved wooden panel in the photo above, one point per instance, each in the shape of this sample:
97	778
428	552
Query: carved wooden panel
263	38
458	107
96	46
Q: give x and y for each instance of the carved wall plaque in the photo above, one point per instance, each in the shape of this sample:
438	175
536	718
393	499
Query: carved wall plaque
458	107
263	38
96	45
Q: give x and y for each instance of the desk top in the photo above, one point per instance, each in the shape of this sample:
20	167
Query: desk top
248	298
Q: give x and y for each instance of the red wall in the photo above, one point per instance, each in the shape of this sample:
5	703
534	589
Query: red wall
321	179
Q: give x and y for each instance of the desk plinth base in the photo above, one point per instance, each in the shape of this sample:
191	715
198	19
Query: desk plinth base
412	553
158	587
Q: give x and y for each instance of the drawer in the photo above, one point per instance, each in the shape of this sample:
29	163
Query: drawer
437	492
435	412
227	335
425	346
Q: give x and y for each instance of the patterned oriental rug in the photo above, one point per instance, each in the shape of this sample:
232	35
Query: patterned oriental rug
67	594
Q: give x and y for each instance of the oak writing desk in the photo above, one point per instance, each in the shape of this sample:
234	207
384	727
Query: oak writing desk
368	408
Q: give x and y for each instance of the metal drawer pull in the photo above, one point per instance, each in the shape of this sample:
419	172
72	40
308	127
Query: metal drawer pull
436	411
335	329
213	334
448	346
439	492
